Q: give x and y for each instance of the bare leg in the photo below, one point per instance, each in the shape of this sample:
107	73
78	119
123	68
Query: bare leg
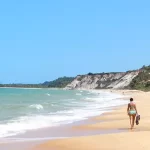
130	119
133	120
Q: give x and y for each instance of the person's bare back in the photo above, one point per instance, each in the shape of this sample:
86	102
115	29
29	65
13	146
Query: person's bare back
132	106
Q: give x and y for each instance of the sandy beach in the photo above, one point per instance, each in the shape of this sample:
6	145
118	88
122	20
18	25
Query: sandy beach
123	138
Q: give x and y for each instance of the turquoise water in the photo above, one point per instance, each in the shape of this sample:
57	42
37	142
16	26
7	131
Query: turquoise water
28	109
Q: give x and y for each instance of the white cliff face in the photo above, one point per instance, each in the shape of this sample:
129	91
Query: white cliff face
124	81
103	81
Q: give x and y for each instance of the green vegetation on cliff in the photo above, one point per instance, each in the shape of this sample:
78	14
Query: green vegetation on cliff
23	85
142	80
59	83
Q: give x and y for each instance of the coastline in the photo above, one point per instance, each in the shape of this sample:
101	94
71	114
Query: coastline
38	136
116	120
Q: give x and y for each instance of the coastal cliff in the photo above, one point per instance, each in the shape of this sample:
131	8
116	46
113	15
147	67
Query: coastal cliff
136	80
120	80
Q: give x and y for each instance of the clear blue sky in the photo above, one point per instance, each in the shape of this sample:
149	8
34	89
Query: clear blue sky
43	39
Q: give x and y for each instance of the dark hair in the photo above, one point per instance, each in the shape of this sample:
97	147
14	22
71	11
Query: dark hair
131	99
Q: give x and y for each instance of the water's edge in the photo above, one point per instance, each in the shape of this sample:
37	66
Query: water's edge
58	132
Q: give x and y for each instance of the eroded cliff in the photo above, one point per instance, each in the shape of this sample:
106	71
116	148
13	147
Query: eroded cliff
119	80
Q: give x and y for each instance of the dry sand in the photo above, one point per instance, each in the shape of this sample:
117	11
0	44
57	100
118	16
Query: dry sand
137	139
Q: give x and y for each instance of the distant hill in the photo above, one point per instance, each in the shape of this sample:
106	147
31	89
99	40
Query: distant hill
142	80
58	83
19	85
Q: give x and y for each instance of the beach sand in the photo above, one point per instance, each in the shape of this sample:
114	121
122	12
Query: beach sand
117	120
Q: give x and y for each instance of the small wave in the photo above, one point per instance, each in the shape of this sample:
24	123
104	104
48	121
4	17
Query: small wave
37	106
93	99
89	93
48	94
71	99
87	98
78	94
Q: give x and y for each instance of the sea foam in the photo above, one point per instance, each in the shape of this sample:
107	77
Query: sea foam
36	106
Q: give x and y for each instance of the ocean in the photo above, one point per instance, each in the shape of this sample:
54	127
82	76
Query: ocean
22	109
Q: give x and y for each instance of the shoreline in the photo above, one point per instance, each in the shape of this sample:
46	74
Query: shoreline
43	134
88	120
102	110
116	119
